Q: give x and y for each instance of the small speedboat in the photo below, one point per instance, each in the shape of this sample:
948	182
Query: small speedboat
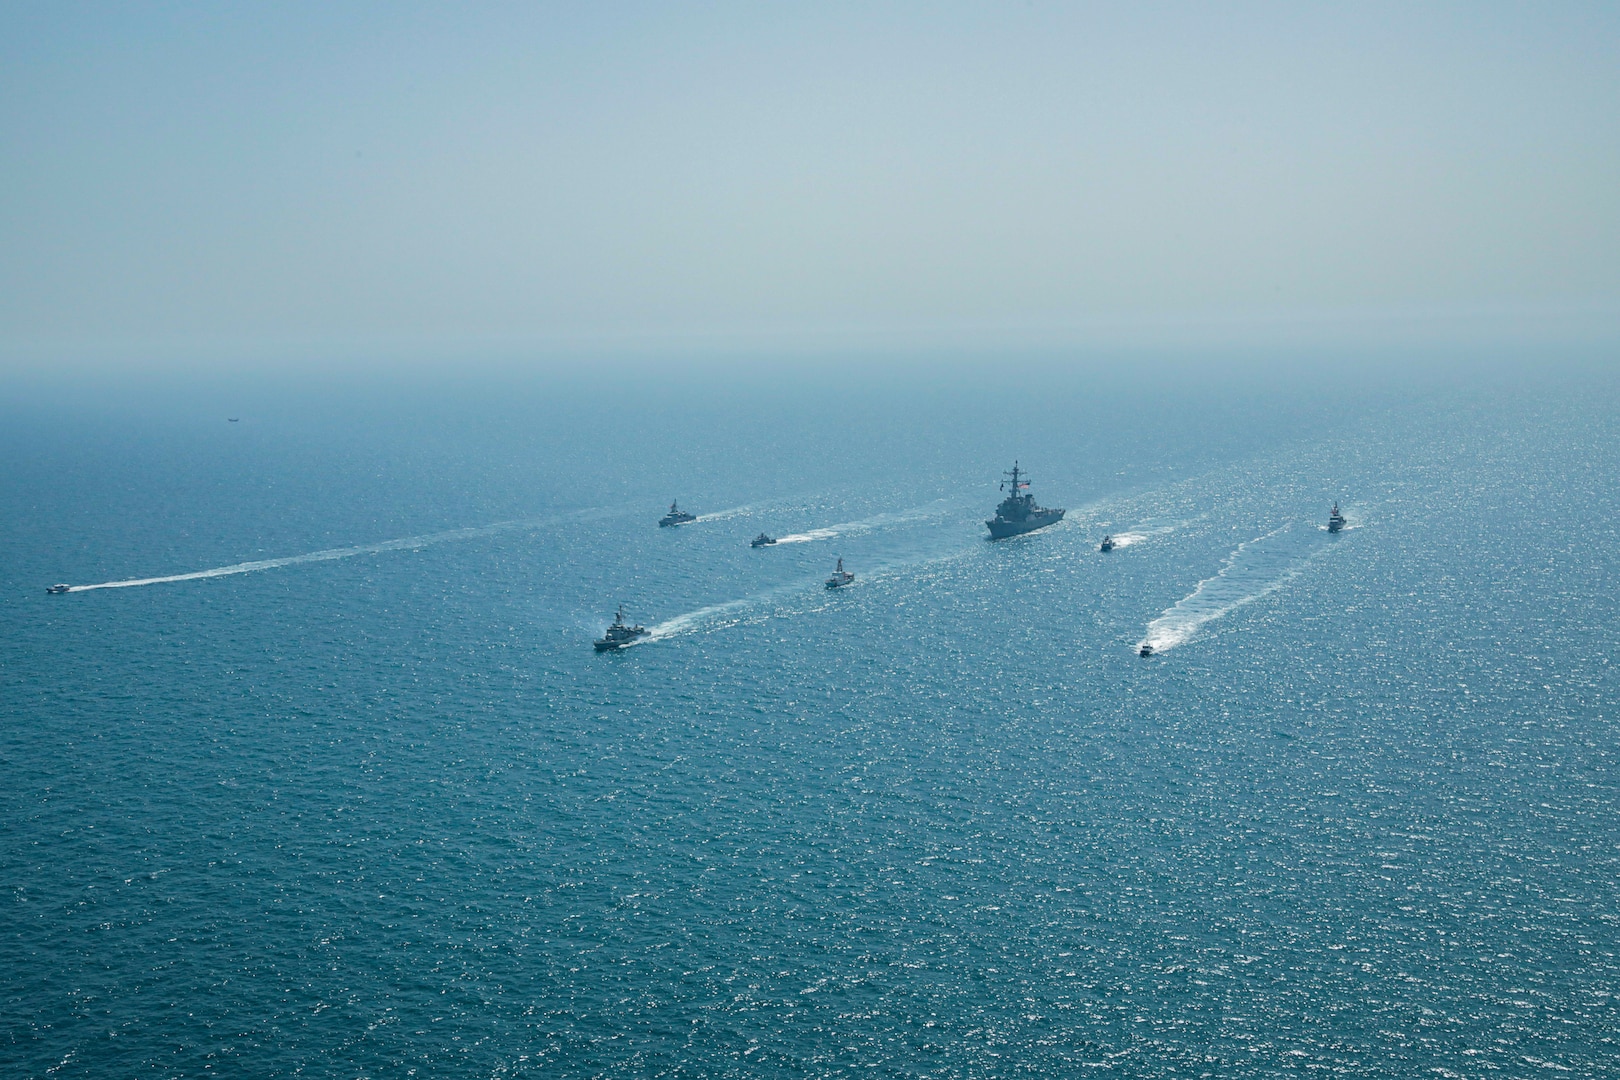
57	588
676	516
1107	544
762	541
840	577
621	634
1145	650
1335	519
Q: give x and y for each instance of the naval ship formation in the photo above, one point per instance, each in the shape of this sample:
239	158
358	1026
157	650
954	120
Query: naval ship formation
1016	515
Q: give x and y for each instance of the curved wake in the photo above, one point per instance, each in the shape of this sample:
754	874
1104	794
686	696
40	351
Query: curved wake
1255	568
721	615
744	609
706	617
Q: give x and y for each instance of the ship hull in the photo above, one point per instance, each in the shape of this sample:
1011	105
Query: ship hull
1001	529
614	643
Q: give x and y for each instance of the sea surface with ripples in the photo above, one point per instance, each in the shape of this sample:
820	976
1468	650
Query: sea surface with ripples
334	784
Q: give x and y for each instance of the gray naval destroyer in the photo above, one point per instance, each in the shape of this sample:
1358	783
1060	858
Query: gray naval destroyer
1018	513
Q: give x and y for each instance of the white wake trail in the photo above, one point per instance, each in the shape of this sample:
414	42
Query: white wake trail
806	537
721	515
721	615
1136	534
409	543
792	599
938	508
706	617
1257	567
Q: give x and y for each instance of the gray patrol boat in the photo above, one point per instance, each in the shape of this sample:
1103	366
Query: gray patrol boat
1335	519
676	516
620	634
1018	513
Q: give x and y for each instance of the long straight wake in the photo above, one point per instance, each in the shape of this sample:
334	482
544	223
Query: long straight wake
721	515
408	543
813	534
847	528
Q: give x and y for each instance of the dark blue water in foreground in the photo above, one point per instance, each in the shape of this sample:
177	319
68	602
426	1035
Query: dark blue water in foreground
385	813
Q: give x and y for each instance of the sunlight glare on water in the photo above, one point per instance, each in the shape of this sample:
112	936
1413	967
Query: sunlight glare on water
381	807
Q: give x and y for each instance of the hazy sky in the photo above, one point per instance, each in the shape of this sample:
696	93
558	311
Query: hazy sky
237	176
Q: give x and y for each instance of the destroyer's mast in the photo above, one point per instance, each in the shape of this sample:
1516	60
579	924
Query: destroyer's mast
1016	504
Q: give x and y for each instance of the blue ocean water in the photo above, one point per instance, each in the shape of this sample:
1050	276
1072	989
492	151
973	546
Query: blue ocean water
355	797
